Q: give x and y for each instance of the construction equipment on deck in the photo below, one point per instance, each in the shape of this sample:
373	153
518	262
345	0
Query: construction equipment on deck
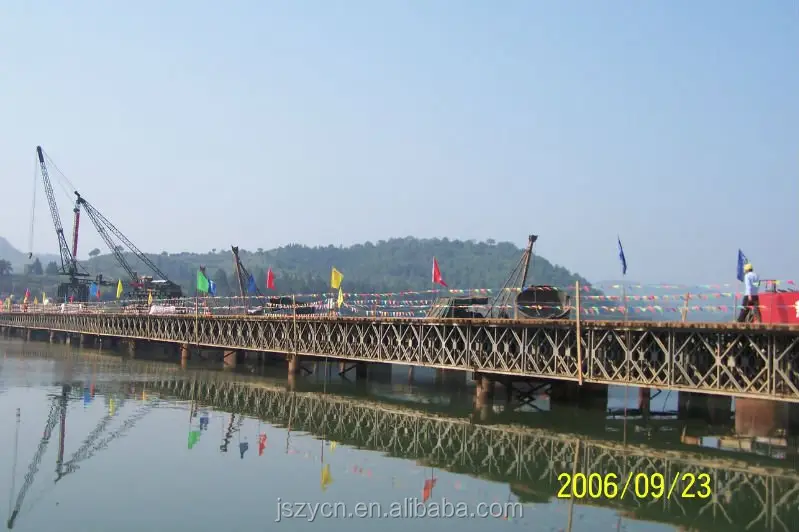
272	305
77	287
513	301
141	286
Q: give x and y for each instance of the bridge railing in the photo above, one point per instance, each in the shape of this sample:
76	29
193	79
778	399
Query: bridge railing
718	306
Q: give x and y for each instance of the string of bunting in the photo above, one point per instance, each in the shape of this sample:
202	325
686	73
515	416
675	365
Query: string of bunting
388	298
399	309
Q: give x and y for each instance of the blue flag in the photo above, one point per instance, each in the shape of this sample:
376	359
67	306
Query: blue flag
741	261
92	290
622	258
251	288
211	288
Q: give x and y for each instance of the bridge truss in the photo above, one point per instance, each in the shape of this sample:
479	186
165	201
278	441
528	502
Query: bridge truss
745	360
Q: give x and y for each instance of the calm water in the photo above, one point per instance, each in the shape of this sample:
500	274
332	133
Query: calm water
144	445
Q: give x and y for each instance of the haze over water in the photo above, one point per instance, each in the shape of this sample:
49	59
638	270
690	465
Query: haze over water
150	446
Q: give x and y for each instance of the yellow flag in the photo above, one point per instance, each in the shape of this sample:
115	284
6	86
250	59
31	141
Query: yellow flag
36	300
326	477
150	298
340	297
119	289
335	278
111	407
44	296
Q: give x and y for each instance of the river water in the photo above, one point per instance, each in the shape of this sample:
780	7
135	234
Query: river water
94	441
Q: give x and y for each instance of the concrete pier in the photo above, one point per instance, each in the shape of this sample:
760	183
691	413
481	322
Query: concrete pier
184	355
760	418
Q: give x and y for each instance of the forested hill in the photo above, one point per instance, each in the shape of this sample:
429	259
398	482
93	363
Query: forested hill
394	265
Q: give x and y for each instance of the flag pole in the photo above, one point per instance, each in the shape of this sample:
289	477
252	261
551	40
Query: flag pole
624	295
579	335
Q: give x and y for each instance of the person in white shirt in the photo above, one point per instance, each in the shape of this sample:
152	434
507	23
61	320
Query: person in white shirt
751	300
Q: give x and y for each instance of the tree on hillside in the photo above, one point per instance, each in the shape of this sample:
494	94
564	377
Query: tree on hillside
93	253
222	284
5	268
36	267
51	268
394	265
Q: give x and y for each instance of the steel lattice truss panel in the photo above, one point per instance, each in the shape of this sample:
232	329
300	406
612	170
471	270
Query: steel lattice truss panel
731	359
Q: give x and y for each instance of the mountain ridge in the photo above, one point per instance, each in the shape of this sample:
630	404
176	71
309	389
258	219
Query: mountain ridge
396	264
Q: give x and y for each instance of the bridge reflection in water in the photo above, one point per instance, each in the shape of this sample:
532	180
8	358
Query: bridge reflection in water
748	493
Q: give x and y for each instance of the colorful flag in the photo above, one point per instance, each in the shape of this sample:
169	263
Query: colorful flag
340	297
211	288
27	296
437	277
93	290
270	280
261	444
742	260
335	278
150	297
327	478
119	288
202	281
622	258
194	437
251	287
427	489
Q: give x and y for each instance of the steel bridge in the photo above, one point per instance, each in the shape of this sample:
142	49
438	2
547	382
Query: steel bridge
745	360
529	460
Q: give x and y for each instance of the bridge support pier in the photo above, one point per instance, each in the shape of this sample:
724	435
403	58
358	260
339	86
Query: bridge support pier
645	401
29	335
68	339
294	364
760	418
132	348
184	355
484	391
84	339
53	337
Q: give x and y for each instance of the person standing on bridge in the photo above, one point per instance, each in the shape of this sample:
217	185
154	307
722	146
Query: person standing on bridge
751	302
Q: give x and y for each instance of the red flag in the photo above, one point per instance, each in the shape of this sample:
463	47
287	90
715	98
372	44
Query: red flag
437	277
427	490
261	444
270	279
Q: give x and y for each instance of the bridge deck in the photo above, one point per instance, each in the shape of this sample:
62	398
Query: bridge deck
747	360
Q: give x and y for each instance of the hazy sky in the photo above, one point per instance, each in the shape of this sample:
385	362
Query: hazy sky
196	125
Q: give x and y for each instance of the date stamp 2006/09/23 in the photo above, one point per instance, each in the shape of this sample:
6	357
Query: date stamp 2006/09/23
638	485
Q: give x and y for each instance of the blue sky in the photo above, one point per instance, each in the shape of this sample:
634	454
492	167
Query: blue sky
196	125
